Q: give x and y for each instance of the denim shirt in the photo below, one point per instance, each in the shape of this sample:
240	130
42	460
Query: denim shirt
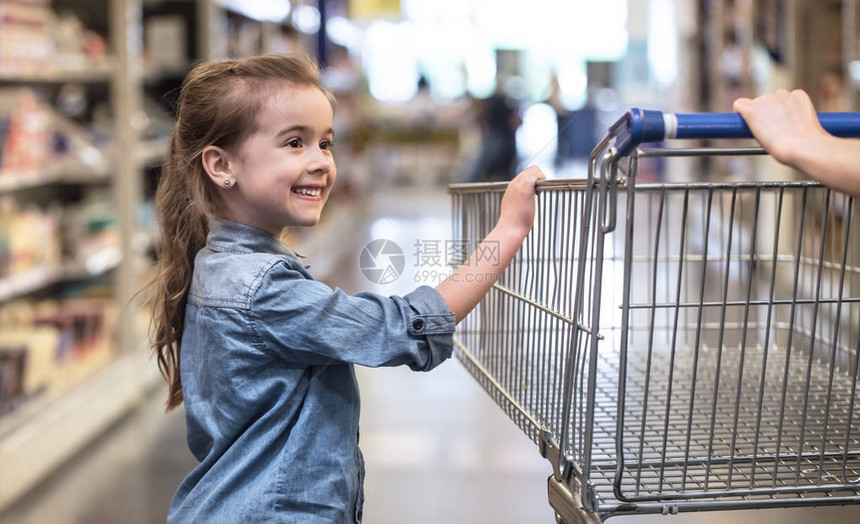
271	399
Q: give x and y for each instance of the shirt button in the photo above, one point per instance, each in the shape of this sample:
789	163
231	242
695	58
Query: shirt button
417	324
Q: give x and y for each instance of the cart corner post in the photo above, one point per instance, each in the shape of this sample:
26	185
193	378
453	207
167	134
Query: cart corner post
566	502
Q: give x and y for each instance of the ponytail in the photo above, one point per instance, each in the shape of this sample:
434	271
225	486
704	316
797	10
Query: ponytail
183	227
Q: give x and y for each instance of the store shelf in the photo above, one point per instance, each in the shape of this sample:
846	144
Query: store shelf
105	259
41	277
46	432
156	74
152	151
94	387
29	281
94	74
12	182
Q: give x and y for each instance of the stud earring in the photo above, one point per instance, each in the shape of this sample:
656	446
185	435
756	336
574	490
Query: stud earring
227	183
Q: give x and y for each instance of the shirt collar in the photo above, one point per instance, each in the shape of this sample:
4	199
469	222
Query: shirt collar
242	238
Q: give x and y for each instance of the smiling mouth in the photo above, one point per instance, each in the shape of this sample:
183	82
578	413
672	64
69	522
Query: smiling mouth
308	191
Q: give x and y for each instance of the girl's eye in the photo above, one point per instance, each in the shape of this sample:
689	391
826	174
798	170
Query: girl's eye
326	145
295	142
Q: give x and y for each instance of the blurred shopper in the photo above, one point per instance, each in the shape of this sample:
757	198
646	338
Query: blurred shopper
498	120
260	352
422	106
576	129
787	126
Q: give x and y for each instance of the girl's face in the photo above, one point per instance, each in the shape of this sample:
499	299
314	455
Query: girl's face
284	171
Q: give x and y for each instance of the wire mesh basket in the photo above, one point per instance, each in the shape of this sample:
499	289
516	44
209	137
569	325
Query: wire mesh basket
675	347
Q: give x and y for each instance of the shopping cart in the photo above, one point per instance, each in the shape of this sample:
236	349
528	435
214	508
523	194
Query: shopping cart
676	347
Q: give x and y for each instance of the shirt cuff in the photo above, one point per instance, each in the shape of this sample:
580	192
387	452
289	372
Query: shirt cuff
432	321
433	317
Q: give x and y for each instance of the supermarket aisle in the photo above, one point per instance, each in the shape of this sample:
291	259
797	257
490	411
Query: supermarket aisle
437	449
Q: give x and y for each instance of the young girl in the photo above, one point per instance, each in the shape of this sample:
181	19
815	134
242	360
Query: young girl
260	352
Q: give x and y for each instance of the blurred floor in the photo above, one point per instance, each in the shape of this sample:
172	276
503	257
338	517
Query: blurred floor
437	448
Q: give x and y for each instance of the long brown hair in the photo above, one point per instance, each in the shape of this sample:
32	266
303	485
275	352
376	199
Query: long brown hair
217	105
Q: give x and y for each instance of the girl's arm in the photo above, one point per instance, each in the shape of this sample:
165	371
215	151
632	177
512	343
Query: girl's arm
470	282
787	126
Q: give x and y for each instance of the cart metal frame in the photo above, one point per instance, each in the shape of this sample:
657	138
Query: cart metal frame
675	347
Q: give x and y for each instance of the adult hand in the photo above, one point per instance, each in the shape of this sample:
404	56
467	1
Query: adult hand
785	123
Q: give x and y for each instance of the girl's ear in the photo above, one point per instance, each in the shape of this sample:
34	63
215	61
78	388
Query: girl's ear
216	162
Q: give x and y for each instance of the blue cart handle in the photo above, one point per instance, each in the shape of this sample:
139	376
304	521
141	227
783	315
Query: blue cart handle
639	126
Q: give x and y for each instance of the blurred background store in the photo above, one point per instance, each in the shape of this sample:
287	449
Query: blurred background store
430	92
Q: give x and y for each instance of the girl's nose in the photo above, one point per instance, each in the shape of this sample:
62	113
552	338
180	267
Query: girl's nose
319	161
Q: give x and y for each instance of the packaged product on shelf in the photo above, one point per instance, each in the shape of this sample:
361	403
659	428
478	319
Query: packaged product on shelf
164	38
36	142
5	242
91	228
86	334
36	347
29	239
5	117
77	48
34	40
45	344
28	353
26	44
77	149
11	377
27	132
33	241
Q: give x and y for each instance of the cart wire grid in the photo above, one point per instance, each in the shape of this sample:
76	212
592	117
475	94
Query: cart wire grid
683	347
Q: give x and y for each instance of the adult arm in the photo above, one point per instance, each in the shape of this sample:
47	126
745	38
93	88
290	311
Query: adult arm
786	125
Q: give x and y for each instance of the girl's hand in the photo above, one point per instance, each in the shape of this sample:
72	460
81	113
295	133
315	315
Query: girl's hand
518	203
471	281
784	123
